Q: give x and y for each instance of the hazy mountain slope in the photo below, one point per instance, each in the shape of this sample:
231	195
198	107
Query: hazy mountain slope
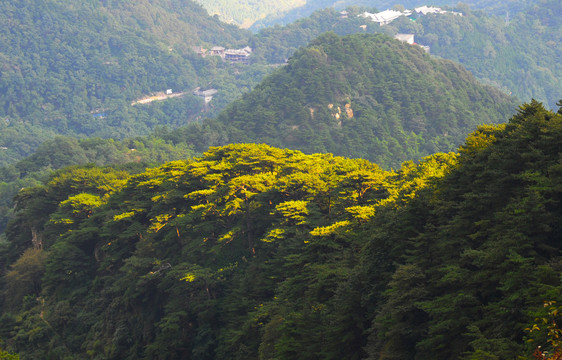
75	70
278	43
267	13
364	96
246	12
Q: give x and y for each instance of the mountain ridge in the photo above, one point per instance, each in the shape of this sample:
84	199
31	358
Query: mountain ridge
360	96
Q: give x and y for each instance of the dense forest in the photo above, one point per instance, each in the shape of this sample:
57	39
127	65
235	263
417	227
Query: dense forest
343	196
256	252
367	96
133	154
371	112
75	70
63	77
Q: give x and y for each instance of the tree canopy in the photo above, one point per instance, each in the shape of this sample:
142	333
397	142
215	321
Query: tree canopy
256	252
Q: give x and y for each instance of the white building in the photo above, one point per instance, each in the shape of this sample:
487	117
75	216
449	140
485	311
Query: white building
424	10
407	38
387	16
207	95
383	17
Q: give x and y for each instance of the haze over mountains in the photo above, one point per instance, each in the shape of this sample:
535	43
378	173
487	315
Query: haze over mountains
268	12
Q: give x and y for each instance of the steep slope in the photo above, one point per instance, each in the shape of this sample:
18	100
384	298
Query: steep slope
253	252
364	96
74	70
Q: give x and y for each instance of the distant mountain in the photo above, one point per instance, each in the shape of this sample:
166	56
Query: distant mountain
75	70
364	96
517	54
520	53
247	12
260	14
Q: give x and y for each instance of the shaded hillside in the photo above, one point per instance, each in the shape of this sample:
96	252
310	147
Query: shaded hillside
253	252
479	251
366	96
75	70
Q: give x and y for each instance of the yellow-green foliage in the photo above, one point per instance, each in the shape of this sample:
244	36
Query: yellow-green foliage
255	250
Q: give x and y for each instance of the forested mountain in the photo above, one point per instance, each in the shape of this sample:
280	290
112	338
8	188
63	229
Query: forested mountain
366	96
75	70
521	57
278	43
253	252
389	104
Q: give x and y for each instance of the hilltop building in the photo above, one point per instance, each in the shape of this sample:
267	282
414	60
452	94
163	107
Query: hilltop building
424	10
232	55
383	17
407	38
217	51
207	95
238	55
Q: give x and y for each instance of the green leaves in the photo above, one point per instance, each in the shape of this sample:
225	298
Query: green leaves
255	251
